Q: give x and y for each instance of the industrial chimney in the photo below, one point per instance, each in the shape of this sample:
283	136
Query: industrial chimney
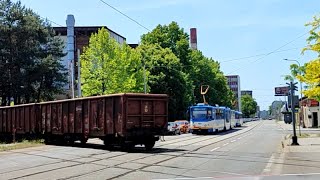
193	38
70	50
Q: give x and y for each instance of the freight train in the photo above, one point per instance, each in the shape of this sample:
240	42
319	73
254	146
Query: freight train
119	119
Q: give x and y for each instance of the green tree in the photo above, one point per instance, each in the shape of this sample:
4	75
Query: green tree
311	75
248	105
170	36
108	67
166	76
206	71
30	62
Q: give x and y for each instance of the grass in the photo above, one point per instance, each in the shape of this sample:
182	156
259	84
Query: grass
20	145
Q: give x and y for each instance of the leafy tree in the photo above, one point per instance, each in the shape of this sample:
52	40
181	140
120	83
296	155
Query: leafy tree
166	76
206	71
30	56
248	105
108	67
312	69
312	78
170	36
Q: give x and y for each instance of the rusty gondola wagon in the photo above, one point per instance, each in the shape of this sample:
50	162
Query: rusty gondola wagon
119	119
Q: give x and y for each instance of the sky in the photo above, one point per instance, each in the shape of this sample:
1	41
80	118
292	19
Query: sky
249	38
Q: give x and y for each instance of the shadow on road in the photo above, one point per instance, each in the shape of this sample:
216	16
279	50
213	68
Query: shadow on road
137	149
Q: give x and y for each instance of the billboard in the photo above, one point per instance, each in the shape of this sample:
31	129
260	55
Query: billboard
281	91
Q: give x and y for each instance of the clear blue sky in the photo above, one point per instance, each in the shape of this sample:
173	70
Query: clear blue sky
226	30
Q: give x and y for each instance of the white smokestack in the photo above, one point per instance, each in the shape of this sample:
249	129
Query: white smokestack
70	50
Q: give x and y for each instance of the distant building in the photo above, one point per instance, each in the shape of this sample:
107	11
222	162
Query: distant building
258	111
246	92
74	38
234	84
276	109
264	114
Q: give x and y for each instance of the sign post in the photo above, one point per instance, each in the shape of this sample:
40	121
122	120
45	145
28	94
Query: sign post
293	88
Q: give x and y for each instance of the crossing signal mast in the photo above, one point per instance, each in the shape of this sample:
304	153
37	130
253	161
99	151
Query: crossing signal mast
293	88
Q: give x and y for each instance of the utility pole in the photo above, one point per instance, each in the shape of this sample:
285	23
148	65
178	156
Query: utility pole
293	88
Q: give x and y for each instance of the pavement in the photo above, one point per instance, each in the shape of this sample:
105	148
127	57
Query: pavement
254	151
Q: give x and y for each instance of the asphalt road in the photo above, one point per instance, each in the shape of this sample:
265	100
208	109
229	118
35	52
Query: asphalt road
250	152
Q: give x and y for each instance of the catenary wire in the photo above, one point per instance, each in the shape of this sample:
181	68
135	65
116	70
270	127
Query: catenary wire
125	15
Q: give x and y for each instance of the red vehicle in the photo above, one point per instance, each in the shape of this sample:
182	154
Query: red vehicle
122	119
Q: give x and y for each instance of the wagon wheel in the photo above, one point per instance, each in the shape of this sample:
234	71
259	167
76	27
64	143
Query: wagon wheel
83	140
149	145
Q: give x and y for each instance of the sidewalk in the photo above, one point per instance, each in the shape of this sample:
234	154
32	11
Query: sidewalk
302	159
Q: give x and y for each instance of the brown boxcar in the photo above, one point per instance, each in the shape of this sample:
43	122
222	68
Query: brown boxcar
18	122
124	119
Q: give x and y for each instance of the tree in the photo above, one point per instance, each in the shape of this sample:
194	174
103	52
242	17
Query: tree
312	69
166	77
170	36
108	67
196	69
312	79
248	105
206	71
30	63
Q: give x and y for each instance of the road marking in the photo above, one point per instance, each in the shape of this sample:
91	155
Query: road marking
214	149
267	169
233	141
239	137
225	144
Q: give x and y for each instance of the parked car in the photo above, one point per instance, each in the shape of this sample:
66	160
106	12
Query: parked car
183	125
173	128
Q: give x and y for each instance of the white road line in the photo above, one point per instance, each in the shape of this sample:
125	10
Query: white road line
233	141
239	137
214	149
225	144
267	169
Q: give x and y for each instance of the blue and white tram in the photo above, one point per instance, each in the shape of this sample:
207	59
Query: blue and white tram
224	114
233	119
239	119
207	119
201	119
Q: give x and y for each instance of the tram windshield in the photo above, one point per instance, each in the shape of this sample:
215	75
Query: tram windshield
201	113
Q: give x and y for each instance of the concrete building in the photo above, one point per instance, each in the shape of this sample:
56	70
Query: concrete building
234	84
246	92
76	38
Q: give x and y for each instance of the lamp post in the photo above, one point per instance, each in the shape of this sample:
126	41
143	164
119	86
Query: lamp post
294	60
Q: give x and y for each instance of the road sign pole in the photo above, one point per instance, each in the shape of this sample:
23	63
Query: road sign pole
294	137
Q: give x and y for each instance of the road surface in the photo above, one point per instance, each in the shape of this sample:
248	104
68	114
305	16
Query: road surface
249	152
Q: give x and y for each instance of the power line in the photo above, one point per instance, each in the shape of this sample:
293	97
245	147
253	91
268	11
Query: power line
125	15
277	49
257	55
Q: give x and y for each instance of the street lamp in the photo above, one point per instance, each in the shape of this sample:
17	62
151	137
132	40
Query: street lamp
294	60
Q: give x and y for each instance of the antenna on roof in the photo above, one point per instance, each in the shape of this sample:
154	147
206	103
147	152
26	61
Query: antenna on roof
204	90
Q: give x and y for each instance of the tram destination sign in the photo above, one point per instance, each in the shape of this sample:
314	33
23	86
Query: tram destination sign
281	91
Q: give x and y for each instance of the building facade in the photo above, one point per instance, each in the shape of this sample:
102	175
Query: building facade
75	38
234	84
246	92
309	113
